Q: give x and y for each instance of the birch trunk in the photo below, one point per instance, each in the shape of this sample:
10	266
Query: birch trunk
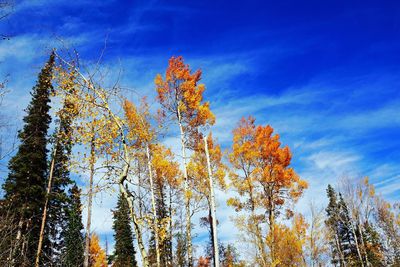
357	246
212	208
136	225
259	238
187	199
90	199
153	204
44	216
342	262
363	244
16	243
171	255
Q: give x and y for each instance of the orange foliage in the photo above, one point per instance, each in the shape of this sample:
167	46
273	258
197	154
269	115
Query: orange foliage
181	95
204	262
98	256
265	173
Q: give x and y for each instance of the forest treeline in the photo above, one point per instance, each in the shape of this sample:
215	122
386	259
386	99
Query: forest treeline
116	145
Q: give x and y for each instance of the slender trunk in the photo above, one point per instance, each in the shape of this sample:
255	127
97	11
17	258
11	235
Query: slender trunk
139	186
90	199
187	199
260	242
259	238
25	262
271	220
339	249
49	184
212	207
136	225
17	242
153	205
171	256
363	244
357	246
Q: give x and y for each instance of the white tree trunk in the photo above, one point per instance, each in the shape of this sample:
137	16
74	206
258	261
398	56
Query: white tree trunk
187	199
136	225
153	204
213	209
44	216
89	208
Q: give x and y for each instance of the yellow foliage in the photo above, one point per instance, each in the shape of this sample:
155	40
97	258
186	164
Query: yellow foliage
287	244
197	167
98	256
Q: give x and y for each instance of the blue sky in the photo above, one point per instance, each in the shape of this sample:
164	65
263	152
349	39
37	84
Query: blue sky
324	74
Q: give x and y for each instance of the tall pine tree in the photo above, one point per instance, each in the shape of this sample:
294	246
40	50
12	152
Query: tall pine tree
25	185
74	246
339	223
56	220
165	243
124	249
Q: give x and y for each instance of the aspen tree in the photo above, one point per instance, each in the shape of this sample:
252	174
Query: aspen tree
111	142
209	154
140	127
181	96
264	178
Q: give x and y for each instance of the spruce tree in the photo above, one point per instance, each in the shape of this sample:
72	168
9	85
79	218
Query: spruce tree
374	246
347	237
56	221
124	249
332	222
165	244
74	246
181	250
162	213
338	221
25	185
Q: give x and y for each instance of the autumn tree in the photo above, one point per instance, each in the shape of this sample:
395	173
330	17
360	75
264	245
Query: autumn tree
288	243
208	153
316	237
388	221
203	262
141	130
359	195
25	185
102	128
264	180
97	254
230	256
181	98
166	183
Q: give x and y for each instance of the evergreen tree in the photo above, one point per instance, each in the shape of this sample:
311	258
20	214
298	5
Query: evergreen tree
162	213
346	235
25	185
339	223
124	249
58	200
331	222
73	251
374	247
165	244
181	250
